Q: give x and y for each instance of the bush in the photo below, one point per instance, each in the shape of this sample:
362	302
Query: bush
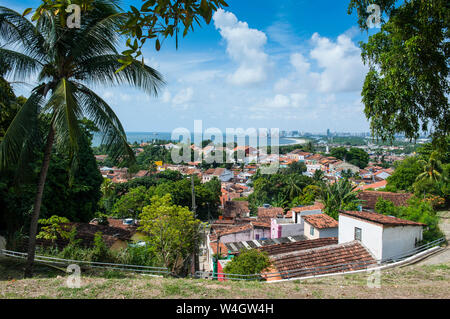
100	252
417	210
249	262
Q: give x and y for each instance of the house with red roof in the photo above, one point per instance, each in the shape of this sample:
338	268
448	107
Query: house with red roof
386	237
320	226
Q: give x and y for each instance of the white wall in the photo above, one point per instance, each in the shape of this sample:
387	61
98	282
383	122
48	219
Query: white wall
400	239
279	225
371	234
383	242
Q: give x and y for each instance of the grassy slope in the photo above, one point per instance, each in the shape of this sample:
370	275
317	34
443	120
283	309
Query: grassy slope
408	282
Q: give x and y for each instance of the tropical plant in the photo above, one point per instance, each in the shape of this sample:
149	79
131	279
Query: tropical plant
54	228
66	61
432	169
338	196
249	262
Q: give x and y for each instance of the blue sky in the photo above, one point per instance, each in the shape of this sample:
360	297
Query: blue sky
288	64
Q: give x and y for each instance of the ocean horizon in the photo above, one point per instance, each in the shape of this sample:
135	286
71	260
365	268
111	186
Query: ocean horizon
148	137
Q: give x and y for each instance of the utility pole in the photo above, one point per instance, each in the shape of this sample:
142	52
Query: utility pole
194	257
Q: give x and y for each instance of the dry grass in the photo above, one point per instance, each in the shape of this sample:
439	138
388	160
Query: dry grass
408	282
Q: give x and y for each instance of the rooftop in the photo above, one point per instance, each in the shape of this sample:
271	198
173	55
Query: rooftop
322	260
321	221
370	198
381	219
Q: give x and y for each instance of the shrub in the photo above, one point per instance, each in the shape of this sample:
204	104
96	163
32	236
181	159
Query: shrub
249	262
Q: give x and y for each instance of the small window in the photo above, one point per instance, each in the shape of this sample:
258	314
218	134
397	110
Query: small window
357	233
311	231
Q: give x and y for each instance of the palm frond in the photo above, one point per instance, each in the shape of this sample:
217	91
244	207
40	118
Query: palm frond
102	71
98	111
19	65
67	111
24	123
17	30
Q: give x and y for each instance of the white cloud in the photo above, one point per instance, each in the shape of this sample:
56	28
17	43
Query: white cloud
343	69
183	97
245	46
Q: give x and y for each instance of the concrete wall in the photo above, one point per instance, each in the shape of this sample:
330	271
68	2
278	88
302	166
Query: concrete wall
371	234
280	228
242	236
400	239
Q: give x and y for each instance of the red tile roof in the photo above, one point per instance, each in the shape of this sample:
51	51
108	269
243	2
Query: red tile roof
308	208
233	209
323	260
381	219
370	198
231	230
321	221
272	212
377	185
299	245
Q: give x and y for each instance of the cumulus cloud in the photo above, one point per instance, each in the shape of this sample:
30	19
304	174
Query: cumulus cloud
245	46
341	62
338	65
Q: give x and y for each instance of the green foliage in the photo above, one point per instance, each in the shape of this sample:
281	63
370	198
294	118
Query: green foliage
309	195
277	189
406	90
55	228
418	211
131	204
405	175
159	20
249	262
173	231
100	252
355	156
339	196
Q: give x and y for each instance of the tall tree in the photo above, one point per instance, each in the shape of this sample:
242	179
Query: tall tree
66	62
407	87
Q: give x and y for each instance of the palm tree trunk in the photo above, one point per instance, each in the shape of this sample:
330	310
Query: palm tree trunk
38	202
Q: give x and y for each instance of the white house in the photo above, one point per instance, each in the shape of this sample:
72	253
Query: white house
222	174
384	236
297	213
320	226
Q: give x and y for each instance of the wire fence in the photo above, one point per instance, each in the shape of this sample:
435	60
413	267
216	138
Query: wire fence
285	274
320	270
91	264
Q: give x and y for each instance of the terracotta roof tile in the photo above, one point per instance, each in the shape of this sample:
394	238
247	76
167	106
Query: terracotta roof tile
308	208
317	261
298	246
271	212
321	221
370	198
381	219
234	209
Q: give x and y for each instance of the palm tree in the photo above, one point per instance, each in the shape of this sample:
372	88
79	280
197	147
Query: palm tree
318	176
293	187
336	196
432	169
66	61
107	188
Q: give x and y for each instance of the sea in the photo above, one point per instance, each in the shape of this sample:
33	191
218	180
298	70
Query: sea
149	137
